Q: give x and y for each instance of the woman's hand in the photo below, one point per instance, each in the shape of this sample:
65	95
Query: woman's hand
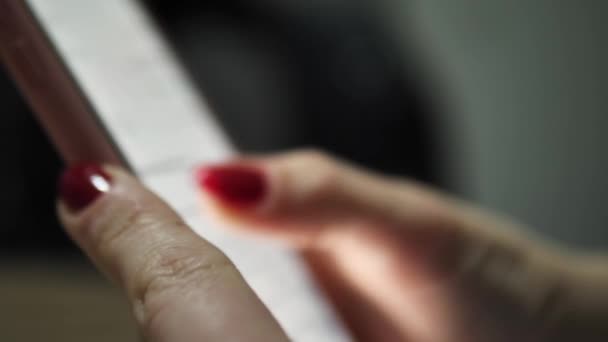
402	262
181	288
399	261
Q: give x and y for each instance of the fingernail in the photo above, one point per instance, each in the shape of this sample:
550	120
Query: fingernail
81	184
235	185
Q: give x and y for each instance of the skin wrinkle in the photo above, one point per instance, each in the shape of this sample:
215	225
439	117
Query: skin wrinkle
105	214
179	269
181	280
89	228
163	264
503	273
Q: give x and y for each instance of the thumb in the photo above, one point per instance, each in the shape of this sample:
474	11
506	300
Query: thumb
180	286
425	259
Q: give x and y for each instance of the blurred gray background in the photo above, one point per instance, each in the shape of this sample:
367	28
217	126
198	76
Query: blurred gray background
525	85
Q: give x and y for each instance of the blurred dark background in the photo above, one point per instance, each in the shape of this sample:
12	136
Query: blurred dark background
502	102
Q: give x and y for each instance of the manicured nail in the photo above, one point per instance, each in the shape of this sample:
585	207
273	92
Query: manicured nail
235	185
81	184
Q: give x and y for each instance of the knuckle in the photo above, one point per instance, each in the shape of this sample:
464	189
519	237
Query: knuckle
173	275
313	157
173	271
317	183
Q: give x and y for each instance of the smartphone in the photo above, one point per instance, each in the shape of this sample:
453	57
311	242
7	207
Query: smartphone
106	87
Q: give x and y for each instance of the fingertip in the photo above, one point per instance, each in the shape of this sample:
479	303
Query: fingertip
82	184
236	186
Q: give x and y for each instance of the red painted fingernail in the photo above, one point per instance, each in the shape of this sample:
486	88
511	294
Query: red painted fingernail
236	185
81	184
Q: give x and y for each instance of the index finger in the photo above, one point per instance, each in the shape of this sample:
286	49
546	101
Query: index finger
181	287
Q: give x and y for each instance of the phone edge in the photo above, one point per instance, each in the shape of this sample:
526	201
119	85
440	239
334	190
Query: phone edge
52	92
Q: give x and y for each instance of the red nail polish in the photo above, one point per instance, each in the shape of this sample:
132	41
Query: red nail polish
81	184
236	185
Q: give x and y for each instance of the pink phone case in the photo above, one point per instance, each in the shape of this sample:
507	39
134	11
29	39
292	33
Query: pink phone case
51	91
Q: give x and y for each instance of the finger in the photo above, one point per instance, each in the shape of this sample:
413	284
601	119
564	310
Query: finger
311	190
384	233
303	195
181	287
